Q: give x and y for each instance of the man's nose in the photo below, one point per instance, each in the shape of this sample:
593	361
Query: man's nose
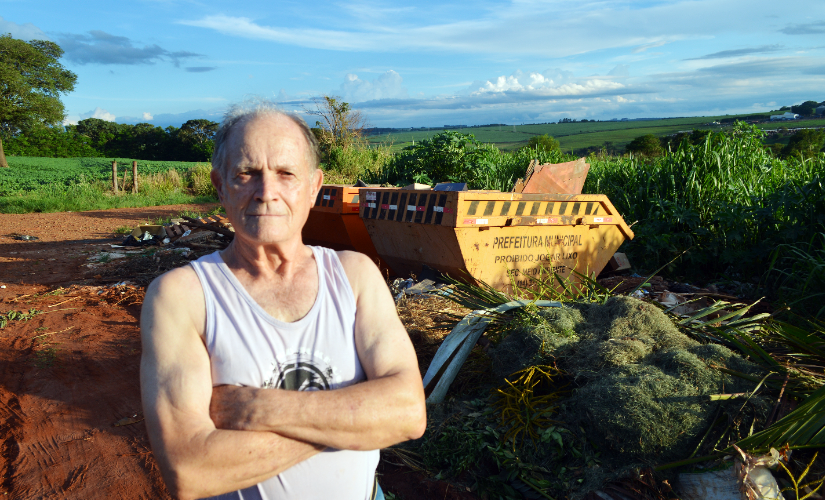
268	188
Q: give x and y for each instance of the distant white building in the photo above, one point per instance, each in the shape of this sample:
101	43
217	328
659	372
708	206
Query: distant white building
785	116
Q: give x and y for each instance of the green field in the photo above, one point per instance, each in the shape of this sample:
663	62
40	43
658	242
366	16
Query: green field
34	184
26	173
579	135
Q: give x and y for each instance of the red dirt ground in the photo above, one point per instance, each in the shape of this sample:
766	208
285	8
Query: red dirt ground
69	376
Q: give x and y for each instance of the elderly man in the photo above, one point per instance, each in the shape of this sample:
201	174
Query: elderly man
274	370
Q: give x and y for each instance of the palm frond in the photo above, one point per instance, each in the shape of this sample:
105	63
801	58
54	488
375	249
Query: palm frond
802	428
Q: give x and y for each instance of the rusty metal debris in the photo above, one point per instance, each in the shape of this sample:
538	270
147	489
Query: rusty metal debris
554	178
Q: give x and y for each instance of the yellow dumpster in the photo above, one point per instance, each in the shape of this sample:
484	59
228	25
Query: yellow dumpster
499	238
334	222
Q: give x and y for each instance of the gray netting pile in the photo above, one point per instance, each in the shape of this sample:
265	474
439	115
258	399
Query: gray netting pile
641	385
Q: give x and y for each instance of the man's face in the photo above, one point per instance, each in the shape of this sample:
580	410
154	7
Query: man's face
268	186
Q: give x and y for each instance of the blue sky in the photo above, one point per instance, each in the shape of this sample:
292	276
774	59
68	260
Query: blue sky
432	63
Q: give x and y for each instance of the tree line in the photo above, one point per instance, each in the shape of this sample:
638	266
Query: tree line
94	137
804	143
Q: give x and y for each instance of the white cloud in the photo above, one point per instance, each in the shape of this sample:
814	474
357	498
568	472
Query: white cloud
534	28
146	116
26	31
541	85
385	86
98	113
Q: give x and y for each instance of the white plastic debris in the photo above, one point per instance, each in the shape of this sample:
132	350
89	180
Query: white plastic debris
2	286
748	479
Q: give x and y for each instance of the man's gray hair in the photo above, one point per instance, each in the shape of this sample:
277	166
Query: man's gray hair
239	113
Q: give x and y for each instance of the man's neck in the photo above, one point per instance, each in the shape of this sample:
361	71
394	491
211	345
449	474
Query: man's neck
262	261
282	280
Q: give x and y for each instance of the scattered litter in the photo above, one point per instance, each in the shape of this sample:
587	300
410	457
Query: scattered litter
450	186
129	420
416	186
2	286
122	293
25	237
747	478
713	485
178	230
215	223
619	262
408	287
67	300
103	257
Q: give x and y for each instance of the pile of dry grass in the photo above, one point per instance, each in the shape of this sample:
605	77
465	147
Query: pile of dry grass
641	386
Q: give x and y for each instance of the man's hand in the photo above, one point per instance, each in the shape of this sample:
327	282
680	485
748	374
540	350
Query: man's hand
231	407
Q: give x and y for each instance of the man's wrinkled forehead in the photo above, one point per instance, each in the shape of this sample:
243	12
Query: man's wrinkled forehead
250	128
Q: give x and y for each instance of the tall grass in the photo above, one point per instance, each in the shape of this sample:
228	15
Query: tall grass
797	275
727	200
345	165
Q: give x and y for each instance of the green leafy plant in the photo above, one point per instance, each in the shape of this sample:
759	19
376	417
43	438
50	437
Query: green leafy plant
523	411
17	316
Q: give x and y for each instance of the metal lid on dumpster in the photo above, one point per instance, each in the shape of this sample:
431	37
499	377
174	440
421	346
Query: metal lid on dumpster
499	238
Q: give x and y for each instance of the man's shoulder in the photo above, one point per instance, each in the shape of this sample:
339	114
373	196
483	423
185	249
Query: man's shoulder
179	280
360	269
175	298
355	260
179	288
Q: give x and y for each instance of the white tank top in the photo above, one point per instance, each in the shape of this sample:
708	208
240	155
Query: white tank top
248	347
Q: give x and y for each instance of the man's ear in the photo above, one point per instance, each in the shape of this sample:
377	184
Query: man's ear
317	180
217	181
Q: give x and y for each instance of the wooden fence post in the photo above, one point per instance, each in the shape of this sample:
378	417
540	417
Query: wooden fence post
134	178
114	176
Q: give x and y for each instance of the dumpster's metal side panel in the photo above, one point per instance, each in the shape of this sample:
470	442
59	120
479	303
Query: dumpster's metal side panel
406	246
362	242
501	256
327	229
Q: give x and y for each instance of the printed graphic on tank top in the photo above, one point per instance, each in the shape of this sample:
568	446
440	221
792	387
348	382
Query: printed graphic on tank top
248	347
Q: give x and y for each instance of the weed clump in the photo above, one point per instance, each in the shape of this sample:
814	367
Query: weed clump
641	386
